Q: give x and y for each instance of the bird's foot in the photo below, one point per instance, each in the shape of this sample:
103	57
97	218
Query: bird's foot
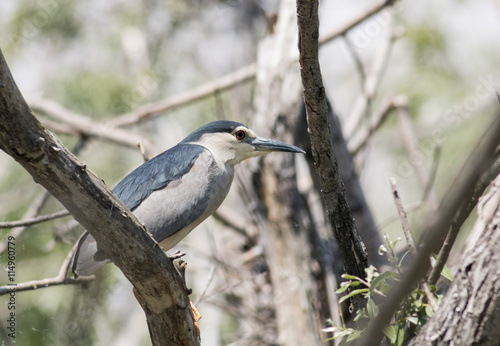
176	255
181	266
196	318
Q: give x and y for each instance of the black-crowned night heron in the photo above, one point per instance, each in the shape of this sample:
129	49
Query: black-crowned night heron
175	191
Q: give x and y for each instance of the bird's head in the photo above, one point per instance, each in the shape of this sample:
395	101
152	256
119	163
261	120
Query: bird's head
232	142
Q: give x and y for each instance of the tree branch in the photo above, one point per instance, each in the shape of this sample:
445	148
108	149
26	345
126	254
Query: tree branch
351	246
35	220
77	123
468	314
402	216
409	239
59	279
150	110
96	208
239	76
435	232
462	214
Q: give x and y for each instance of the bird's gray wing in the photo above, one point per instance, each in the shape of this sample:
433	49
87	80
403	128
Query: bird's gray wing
156	174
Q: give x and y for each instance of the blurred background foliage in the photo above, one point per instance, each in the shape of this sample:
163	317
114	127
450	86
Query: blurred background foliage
102	59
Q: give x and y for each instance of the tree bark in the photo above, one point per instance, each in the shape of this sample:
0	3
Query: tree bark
93	205
469	313
352	249
284	225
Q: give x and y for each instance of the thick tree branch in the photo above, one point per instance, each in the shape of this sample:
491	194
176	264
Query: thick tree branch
350	244
92	204
458	220
468	314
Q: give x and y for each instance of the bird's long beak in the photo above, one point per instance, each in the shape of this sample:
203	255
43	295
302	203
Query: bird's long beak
265	145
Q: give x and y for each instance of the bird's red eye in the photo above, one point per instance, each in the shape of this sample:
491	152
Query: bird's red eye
240	135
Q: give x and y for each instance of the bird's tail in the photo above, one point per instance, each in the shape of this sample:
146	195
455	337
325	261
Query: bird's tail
85	261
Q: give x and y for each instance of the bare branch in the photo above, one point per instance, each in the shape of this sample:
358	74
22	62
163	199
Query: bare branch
222	216
60	279
230	80
435	232
402	216
211	277
73	122
373	78
35	220
430	296
411	145
357	62
409	239
416	205
153	109
359	142
351	246
468	313
369	12
462	214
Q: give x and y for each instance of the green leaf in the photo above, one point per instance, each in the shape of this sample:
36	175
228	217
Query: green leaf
381	278
446	273
371	308
390	332
343	287
349	277
429	311
400	336
354	336
384	288
353	293
413	319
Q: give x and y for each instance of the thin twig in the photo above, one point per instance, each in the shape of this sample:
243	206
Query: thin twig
60	279
35	220
417	205
411	144
32	212
430	296
360	141
402	216
211	277
362	104
410	241
357	62
222	216
369	12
